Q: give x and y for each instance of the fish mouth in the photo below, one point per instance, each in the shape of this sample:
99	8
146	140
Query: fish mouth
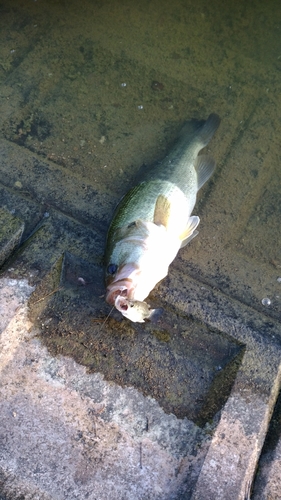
121	303
120	288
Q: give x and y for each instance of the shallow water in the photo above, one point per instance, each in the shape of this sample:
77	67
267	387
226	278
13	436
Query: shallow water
103	87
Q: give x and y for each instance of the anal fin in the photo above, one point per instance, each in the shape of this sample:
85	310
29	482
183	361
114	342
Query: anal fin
204	166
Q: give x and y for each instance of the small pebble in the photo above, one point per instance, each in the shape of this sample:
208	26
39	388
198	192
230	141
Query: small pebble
279	280
140	106
266	301
123	84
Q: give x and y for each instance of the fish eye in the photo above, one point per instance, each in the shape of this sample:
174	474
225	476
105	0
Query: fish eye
112	268
132	224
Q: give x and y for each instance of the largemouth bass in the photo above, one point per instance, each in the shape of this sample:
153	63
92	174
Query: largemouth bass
153	221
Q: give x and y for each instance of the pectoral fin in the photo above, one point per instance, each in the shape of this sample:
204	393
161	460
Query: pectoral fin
189	232
162	211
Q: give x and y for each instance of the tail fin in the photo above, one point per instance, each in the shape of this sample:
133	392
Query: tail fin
201	131
209	128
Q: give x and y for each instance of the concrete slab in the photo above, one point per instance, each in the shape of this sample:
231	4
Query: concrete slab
267	481
68	434
239	436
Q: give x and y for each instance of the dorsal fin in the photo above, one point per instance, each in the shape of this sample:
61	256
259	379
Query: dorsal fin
204	166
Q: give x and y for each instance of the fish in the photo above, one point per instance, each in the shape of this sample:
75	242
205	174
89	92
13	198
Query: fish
154	220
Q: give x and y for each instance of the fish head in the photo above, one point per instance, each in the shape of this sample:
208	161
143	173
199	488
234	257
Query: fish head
138	261
121	281
133	282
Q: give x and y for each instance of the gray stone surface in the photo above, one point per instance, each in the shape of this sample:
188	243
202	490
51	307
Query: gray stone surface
69	434
231	461
268	480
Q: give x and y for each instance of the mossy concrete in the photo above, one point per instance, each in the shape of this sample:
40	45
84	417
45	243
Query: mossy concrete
11	230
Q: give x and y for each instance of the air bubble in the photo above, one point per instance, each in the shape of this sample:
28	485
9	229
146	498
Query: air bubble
140	106
81	281
266	301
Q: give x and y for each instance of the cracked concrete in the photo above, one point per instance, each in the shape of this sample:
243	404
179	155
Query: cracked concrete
68	434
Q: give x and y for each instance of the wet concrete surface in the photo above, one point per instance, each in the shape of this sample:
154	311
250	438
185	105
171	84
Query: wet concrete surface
176	409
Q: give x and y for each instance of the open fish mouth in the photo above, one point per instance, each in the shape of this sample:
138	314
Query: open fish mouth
121	303
120	288
120	295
